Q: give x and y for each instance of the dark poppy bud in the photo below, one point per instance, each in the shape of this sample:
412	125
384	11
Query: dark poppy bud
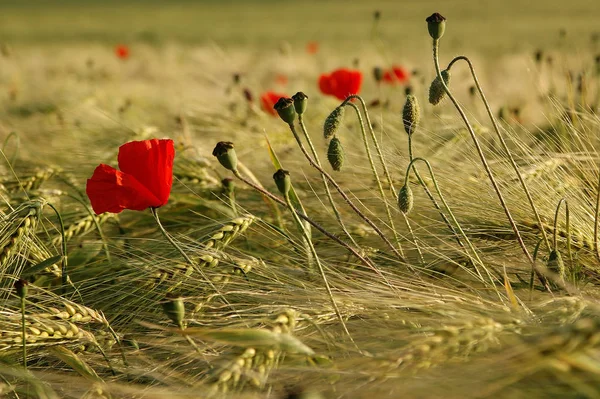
21	288
408	90
333	122
555	263
335	154
436	90
539	56
228	185
283	181
285	109
378	73
436	24
377	15
472	91
300	102
225	154
248	95
236	78
411	114
174	309
405	199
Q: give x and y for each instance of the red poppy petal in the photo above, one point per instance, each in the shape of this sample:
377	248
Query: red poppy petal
151	163
110	190
325	84
268	100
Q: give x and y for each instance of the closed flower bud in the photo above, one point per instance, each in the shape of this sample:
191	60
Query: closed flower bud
555	263
436	90
411	114
333	122
300	102
335	154
283	181
174	309
21	288
225	154
378	74
405	199
228	185
436	25
285	109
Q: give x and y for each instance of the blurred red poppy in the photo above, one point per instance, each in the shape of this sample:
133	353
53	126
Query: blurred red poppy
144	180
341	83
122	51
281	79
397	74
312	47
268	100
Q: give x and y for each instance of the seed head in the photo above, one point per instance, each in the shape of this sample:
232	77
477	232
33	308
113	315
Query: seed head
174	309
411	114
335	154
300	102
436	90
285	109
225	154
333	122
436	24
21	288
405	199
283	181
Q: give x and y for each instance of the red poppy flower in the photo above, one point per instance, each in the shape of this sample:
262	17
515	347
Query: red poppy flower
396	75
341	83
144	180
122	51
281	79
268	100
312	47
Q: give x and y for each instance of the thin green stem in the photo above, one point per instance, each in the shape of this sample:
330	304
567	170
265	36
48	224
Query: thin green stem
23	332
376	176
568	228
338	216
315	256
504	146
97	224
486	166
64	276
344	196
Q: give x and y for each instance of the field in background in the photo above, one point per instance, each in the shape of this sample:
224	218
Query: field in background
424	326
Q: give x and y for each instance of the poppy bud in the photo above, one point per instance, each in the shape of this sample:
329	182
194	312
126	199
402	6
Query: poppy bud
378	74
411	114
472	91
436	90
335	154
248	95
333	121
555	263
21	288
174	309
300	102
225	154
436	24
283	181
405	199
228	185
285	109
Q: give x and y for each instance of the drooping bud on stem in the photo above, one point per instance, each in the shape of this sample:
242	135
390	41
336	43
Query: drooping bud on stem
405	199
285	109
21	288
411	114
283	181
436	25
300	102
378	74
436	90
174	309
225	154
333	122
335	154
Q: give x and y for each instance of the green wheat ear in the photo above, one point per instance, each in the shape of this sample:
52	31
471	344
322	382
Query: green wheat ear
335	154
333	122
436	90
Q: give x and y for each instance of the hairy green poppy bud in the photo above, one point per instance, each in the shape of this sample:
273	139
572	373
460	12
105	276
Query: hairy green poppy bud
21	288
436	25
174	309
411	114
335	154
333	122
405	199
225	154
283	181
378	74
300	102
555	263
285	109
436	90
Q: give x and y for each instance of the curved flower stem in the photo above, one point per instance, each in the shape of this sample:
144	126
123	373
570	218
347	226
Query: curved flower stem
343	194
315	256
325	184
376	176
365	260
504	146
568	222
430	195
64	276
447	207
487	168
